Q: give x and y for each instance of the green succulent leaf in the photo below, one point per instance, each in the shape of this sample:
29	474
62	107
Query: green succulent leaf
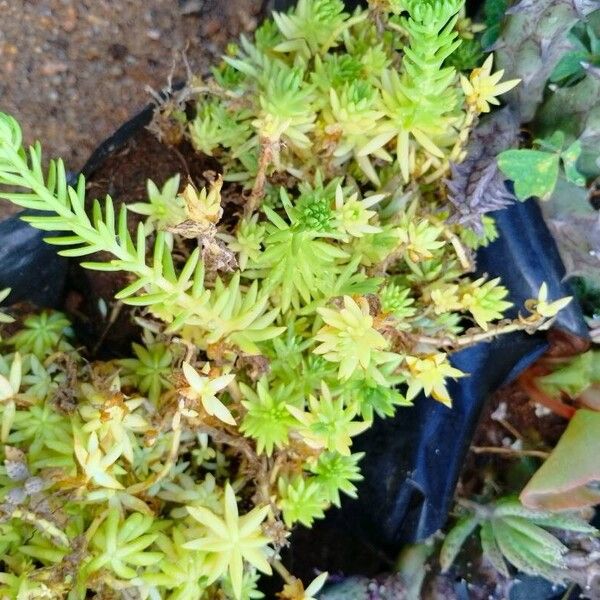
568	479
515	547
569	159
491	550
513	533
455	539
574	376
548	547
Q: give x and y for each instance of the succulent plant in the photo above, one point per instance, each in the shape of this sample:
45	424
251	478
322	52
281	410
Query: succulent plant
338	293
534	38
508	531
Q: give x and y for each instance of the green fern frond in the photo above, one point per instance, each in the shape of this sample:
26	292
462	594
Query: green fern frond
179	297
422	101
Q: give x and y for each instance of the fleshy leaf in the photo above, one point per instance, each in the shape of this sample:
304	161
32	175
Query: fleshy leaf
490	549
576	228
570	477
454	540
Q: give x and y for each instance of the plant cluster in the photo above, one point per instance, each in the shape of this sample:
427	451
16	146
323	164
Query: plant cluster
273	334
320	89
508	531
552	47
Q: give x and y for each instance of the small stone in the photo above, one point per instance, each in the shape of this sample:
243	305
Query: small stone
69	23
34	485
541	410
189	7
153	34
51	68
118	51
211	26
16	471
500	413
15	464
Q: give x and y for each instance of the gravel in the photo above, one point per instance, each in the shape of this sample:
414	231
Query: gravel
71	71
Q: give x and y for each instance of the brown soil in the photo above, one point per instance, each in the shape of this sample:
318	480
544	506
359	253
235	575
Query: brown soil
537	430
125	172
72	71
123	175
512	423
7	209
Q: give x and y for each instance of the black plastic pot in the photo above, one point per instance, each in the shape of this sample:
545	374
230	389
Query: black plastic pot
29	266
418	454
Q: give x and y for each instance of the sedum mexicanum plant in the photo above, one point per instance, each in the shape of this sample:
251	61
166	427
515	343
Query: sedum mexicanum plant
369	94
273	333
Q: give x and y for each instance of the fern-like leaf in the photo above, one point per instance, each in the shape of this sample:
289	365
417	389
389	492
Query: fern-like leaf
225	313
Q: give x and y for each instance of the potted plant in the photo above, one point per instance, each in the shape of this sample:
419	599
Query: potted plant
298	275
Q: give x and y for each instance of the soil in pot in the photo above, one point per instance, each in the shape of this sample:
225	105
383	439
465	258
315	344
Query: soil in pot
105	327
